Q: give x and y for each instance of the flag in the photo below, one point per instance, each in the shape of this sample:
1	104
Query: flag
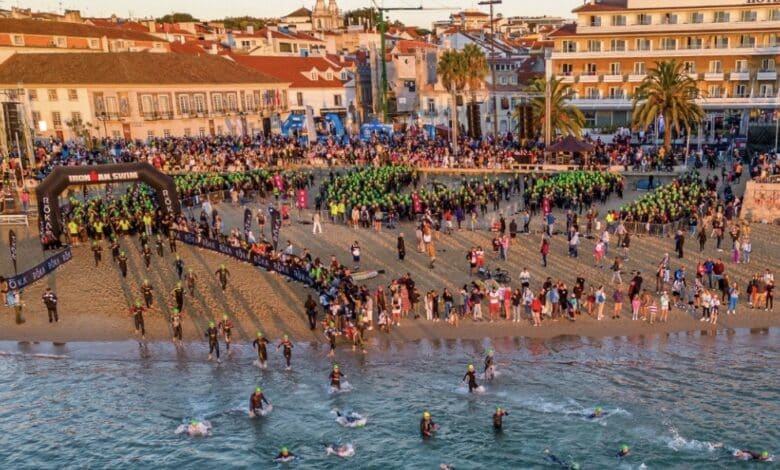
302	203
12	245
417	206
247	222
276	225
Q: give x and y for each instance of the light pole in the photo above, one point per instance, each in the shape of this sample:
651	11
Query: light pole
777	118
493	67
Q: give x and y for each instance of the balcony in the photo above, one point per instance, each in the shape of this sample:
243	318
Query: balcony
713	77
566	78
613	78
107	117
157	116
680	27
706	51
589	78
635	78
767	75
740	76
693	75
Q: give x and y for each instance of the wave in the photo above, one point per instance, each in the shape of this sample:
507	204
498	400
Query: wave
677	442
33	355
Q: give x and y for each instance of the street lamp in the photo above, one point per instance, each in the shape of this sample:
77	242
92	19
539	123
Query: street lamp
104	117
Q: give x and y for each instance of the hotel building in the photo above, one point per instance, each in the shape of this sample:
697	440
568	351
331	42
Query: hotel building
731	47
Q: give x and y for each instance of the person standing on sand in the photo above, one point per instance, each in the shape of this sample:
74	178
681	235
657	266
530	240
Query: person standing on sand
679	242
311	312
191	277
50	300
316	223
178	264
617	297
544	249
97	250
178	295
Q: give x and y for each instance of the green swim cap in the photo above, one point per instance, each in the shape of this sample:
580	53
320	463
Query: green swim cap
175	310
624	448
259	334
335	367
426	414
258	389
224	316
575	466
598	409
471	366
221	266
211	324
332	325
765	454
137	303
194	422
490	352
498	408
284	450
286	337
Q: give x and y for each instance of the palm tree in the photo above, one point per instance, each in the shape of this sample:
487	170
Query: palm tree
477	69
565	119
667	92
453	72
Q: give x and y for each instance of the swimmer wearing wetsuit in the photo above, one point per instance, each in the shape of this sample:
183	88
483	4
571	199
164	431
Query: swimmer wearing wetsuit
489	365
498	418
471	375
335	377
226	327
331	333
287	346
262	353
285	455
176	324
427	426
213	336
624	451
349	417
597	413
750	455
256	402
557	460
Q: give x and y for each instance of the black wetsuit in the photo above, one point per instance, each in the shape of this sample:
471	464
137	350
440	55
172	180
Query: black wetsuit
123	264
472	376
426	428
114	250
176	323
489	367
498	419
335	379
256	402
179	265
172	242
223	274
159	245
284	457
178	294
287	351
262	352
331	334
138	319
226	326
147	253
213	336
50	300
146	290
191	278
97	250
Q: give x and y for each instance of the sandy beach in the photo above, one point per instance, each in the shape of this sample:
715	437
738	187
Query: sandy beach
94	301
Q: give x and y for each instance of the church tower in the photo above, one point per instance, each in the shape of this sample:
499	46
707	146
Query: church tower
326	19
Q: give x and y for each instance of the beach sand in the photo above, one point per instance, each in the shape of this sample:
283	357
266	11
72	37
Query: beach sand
94	301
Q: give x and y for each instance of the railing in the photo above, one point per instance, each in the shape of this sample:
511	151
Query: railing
653	230
14	219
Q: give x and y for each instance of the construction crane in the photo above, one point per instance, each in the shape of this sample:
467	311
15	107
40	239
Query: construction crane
383	32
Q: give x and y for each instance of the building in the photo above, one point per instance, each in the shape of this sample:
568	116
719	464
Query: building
730	46
300	19
313	81
280	41
410	65
326	19
140	95
40	36
470	20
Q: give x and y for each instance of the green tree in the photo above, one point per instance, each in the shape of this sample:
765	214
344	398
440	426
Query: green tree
241	22
477	69
368	15
668	92
453	73
177	18
565	119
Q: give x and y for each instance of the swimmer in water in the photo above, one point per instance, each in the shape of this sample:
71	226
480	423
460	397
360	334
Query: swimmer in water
262	353
472	379
750	455
624	450
342	451
285	455
597	413
194	429
351	419
335	377
287	351
427	426
498	418
489	365
256	402
561	463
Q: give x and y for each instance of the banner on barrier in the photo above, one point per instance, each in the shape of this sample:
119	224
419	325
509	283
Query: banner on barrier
42	269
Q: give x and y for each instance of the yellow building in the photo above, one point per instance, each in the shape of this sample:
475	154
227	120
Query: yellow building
137	95
730	46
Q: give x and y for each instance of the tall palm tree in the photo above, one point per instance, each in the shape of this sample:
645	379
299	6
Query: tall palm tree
565	119
453	72
477	69
667	92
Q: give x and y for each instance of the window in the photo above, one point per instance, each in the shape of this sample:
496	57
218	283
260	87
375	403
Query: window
285	47
344	76
502	80
694	43
595	21
741	65
100	105
116	135
594	45
741	91
617	45
643	44
149	134
619	20
94	43
111	105
639	68
715	91
187	132
768	65
56	118
722	17
75	117
329	76
202	131
566	69
33	95
164	104
60	41
232	103
431	106
716	66
590	69
773	40
72	95
200	103
668	44
36	118
614	68
766	90
17	40
569	46
249	102
216	103
670	18
592	93
644	19
313	75
689	66
337	100
747	41
774	15
513	80
167	133
147	105
616	93
119	44
721	42
52	95
696	18
299	98
219	130
748	16
184	104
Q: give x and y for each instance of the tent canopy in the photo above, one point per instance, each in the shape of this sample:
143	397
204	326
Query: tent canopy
570	144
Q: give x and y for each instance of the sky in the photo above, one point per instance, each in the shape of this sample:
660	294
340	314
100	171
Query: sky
210	9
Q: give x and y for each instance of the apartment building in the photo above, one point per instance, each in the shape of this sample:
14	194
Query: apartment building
730	46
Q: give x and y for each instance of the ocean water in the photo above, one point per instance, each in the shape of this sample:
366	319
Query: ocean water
674	399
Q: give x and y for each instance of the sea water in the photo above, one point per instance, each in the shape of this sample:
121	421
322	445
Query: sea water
684	400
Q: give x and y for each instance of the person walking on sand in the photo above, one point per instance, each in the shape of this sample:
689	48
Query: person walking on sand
316	223
401	246
222	274
544	249
601	299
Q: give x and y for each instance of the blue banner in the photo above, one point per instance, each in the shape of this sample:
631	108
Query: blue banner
292	271
42	269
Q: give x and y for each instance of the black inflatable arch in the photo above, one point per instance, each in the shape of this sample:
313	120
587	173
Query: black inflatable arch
63	176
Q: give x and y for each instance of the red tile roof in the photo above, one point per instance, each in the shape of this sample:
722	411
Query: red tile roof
593	6
293	69
57	28
569	29
409	47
